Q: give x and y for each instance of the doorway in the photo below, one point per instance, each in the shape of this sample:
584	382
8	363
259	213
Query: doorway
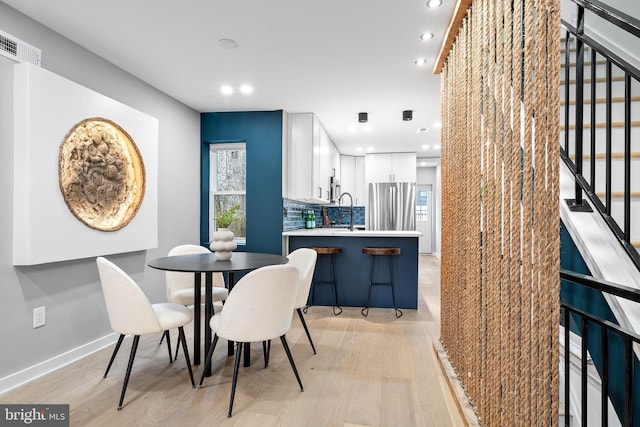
424	212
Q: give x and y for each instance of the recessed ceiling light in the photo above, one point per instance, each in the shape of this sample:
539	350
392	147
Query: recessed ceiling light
228	43
246	89
423	163
437	125
423	130
370	148
420	62
226	90
434	3
359	149
426	36
425	147
436	147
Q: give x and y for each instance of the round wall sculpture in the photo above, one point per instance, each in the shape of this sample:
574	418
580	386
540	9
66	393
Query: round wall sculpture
101	174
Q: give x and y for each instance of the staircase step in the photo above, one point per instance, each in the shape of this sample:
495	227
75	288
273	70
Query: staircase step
602	156
573	49
603	100
602	125
598	80
586	64
618	194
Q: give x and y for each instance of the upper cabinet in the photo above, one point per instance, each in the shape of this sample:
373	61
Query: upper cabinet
353	178
391	167
313	159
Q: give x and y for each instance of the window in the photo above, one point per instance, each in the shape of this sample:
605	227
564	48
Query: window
227	186
422	204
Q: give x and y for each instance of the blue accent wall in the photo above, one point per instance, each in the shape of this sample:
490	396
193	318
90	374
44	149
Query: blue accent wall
262	133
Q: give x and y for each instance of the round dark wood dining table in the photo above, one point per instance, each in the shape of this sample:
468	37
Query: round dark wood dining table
207	264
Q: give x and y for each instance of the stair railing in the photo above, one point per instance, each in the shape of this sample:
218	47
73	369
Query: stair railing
609	367
632	26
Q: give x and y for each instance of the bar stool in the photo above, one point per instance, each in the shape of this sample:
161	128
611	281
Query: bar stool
377	252
332	282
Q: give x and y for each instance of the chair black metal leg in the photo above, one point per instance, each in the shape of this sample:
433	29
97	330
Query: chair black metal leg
169	345
304	324
182	339
134	347
293	365
207	361
266	349
175	356
162	337
236	367
113	356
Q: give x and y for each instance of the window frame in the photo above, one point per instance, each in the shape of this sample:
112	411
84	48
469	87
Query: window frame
213	191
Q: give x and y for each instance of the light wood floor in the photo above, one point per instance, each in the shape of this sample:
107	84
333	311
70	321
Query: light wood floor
375	371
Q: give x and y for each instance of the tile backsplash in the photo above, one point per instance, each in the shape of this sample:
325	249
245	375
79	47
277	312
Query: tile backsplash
294	210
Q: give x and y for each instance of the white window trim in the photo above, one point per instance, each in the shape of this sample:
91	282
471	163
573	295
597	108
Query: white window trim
213	191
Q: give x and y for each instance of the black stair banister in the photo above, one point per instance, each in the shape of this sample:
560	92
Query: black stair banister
623	223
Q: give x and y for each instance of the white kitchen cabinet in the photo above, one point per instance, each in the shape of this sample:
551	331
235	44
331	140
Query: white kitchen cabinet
362	190
391	167
313	159
300	155
322	173
353	179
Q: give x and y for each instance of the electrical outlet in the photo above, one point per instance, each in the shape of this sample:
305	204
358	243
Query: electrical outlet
39	317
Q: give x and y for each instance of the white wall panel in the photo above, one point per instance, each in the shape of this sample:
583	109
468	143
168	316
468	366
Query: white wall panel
46	108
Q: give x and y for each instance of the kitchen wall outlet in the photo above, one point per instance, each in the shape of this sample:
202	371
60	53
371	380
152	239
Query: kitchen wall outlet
39	317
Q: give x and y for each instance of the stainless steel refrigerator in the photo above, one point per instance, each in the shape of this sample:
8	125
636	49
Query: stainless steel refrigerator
392	206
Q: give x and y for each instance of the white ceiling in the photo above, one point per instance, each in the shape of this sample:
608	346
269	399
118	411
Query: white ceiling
335	58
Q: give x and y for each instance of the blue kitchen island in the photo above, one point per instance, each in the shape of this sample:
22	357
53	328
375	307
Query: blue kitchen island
352	267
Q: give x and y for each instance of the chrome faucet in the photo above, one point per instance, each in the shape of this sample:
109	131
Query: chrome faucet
350	208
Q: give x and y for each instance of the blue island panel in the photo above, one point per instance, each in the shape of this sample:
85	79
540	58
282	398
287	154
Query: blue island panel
353	269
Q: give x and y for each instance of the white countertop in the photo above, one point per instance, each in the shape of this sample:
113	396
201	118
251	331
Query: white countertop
344	232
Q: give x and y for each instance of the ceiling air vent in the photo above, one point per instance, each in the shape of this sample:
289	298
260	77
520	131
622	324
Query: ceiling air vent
20	51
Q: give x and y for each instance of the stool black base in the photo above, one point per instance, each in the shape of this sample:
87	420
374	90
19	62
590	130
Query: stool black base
337	310
388	252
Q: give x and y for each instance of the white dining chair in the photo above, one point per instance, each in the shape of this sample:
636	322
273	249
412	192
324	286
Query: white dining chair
131	313
180	285
258	309
305	260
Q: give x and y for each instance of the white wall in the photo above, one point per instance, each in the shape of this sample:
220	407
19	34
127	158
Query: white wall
70	290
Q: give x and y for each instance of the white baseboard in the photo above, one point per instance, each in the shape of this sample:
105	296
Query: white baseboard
34	372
